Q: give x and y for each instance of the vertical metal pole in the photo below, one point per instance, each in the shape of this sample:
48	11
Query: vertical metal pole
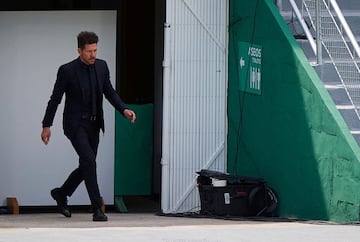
165	187
318	33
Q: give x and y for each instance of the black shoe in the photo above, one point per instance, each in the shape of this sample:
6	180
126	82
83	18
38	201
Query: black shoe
99	215
61	202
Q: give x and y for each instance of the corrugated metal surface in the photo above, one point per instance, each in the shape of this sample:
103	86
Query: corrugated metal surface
195	81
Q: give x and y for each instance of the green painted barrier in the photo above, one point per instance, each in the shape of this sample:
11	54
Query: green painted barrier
283	125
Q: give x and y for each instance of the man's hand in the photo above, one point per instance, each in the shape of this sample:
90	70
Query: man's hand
129	114
45	135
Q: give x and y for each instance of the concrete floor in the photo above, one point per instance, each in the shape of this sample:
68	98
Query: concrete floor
152	227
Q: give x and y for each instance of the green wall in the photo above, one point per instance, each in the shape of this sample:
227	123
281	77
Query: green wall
290	132
133	152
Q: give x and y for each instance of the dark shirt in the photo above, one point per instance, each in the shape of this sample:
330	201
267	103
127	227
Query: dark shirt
86	87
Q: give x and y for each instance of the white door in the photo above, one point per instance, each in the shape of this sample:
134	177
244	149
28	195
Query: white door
195	94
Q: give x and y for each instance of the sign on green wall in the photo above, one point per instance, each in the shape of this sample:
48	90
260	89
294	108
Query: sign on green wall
250	67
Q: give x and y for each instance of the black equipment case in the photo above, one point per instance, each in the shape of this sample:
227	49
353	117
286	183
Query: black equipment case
242	196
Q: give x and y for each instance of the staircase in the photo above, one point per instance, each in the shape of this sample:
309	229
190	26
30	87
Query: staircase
345	91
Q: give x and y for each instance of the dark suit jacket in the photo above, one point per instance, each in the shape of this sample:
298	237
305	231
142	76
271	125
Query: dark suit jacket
70	81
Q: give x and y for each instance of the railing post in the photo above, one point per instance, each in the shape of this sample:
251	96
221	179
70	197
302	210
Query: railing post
318	33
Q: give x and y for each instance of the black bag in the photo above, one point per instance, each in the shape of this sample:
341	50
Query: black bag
242	196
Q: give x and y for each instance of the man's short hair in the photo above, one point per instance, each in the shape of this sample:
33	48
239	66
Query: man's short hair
86	38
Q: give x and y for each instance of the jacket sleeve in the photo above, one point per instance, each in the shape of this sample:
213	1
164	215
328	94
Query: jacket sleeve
111	95
55	98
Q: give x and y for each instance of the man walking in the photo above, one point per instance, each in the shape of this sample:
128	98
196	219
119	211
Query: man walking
84	81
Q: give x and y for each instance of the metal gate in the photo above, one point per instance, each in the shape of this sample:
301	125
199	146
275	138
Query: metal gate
195	90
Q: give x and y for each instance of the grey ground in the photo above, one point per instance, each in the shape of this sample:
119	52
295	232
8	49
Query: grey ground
152	227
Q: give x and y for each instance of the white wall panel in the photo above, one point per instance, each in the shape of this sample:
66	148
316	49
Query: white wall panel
195	81
33	44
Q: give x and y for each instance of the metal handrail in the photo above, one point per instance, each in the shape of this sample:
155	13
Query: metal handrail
342	56
350	35
303	24
339	14
346	27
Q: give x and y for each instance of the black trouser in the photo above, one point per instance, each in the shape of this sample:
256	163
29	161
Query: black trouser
85	143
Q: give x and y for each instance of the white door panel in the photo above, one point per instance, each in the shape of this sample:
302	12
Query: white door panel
195	81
